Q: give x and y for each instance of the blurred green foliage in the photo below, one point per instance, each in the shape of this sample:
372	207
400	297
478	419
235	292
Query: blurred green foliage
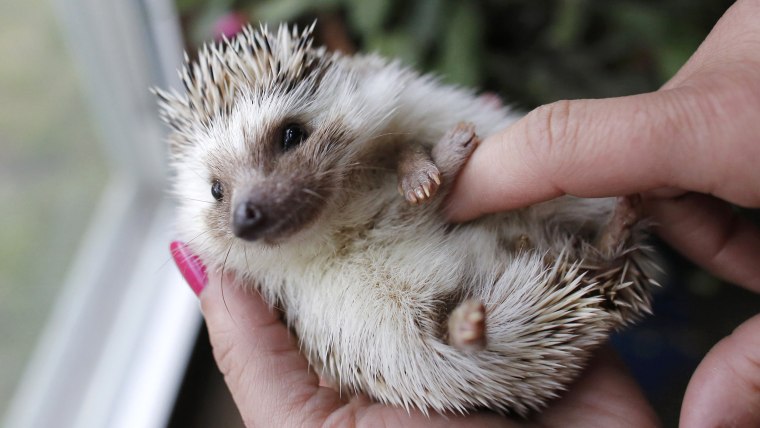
530	51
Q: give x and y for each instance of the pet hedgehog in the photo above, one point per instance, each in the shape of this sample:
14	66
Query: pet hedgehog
289	162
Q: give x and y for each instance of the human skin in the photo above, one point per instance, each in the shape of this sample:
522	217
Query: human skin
272	385
688	148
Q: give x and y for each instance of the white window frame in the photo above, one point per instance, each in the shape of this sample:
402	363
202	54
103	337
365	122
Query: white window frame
117	343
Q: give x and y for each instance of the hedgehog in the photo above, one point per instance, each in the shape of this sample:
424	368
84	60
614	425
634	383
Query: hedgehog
320	180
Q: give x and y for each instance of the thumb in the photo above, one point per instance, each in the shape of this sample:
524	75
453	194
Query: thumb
269	379
587	148
725	389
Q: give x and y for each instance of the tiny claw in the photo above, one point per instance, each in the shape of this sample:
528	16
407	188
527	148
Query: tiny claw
435	177
418	178
475	316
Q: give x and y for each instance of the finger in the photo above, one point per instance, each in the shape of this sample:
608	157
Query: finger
712	234
565	148
268	377
725	389
604	396
617	146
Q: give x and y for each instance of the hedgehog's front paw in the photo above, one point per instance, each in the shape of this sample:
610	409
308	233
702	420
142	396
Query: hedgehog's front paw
467	326
420	183
454	148
462	137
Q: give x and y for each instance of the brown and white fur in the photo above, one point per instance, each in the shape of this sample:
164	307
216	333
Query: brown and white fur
385	296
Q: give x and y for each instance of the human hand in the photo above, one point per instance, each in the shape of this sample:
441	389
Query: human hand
690	149
272	384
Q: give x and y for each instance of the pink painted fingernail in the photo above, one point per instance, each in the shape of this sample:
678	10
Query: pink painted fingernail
189	266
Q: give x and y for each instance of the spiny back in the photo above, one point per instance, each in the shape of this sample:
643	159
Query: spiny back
256	62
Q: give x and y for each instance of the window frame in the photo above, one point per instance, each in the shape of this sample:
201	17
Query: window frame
118	340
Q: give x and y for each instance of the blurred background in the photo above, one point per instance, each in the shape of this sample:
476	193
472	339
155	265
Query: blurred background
76	117
52	173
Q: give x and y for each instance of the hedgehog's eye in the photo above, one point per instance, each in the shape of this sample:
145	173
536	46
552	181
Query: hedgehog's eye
217	191
293	135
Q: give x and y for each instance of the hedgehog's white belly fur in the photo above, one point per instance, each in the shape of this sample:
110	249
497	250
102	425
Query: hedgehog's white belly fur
369	316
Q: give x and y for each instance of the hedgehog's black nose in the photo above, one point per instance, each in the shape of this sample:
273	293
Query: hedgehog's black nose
247	221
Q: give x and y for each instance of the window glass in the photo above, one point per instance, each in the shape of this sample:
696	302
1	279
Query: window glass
51	176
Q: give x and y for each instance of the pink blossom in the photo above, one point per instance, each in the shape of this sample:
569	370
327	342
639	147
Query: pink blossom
229	24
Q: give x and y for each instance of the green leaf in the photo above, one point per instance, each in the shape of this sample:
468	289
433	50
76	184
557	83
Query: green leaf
569	21
188	5
462	46
203	29
673	53
425	22
641	21
219	4
276	11
368	16
397	44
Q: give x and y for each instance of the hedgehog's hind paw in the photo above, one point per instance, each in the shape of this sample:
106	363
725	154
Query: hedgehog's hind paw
467	326
617	232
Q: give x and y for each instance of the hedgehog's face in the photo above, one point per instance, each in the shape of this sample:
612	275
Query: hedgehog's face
265	136
264	173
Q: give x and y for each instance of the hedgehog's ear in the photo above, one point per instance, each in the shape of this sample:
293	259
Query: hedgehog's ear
175	112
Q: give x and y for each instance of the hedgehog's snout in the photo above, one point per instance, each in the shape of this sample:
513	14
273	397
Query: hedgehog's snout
271	210
248	220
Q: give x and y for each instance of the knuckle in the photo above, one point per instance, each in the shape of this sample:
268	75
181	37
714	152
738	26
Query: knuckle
550	134
222	349
550	126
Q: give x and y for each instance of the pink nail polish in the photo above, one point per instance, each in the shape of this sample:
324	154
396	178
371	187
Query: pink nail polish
189	266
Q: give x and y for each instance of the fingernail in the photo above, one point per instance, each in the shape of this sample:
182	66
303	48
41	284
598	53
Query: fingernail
189	266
